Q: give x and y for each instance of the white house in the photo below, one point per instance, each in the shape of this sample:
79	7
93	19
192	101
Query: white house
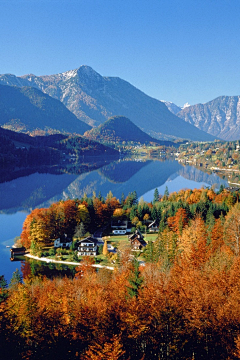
87	247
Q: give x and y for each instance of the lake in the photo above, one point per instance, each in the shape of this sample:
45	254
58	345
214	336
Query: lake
22	191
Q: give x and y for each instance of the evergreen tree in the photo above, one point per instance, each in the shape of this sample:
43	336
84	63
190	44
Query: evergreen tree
166	192
135	280
154	214
3	288
155	196
80	230
140	212
100	196
148	252
135	198
16	279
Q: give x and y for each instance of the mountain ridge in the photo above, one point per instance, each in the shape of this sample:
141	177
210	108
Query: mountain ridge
94	98
219	117
31	109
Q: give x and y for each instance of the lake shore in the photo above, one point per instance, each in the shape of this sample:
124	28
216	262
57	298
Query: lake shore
47	260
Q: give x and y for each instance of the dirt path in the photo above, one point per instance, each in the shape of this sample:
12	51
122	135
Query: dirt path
65	262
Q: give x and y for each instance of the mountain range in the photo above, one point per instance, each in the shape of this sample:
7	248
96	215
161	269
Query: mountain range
219	117
93	98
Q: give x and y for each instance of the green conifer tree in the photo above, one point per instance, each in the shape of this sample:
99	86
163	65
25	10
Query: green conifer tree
3	288
155	196
135	280
15	280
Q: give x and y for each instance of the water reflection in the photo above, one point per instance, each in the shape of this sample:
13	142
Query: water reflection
31	268
41	187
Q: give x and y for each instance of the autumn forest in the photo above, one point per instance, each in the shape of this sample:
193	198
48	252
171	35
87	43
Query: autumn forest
181	302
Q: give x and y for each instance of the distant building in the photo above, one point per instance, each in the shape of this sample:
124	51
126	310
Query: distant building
63	242
153	227
120	227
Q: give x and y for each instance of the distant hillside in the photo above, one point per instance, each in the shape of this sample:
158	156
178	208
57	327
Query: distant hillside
219	117
118	129
23	150
28	109
94	98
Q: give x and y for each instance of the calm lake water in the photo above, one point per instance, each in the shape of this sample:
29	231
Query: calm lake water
23	191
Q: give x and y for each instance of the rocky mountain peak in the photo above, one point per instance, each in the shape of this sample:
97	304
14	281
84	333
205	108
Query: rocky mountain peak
86	72
94	98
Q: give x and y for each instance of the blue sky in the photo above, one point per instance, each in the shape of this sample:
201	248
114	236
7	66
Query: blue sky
180	51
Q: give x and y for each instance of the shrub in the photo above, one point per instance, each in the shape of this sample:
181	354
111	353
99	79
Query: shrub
52	252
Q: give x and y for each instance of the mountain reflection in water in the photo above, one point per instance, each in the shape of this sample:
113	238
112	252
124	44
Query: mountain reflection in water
45	186
23	190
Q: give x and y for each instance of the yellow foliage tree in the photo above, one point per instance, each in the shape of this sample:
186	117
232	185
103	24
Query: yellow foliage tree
83	214
105	248
232	229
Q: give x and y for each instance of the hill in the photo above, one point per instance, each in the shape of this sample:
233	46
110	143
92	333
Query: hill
118	129
24	150
219	117
94	98
28	109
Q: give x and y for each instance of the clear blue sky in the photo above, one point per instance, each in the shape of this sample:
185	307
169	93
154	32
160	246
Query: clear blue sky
180	51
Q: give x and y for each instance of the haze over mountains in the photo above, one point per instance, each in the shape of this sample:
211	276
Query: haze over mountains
94	98
219	117
27	109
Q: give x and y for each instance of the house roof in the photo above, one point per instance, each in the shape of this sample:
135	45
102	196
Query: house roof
119	223
136	234
64	239
88	239
152	223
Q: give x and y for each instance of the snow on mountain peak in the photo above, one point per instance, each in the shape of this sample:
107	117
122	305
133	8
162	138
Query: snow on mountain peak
186	105
69	74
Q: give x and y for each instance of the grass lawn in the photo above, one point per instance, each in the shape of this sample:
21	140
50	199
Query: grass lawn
121	241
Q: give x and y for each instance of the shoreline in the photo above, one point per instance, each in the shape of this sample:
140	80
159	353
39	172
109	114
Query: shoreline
66	262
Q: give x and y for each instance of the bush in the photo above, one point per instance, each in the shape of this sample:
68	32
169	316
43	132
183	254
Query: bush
59	251
52	252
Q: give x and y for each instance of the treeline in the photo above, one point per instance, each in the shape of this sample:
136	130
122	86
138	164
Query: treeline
183	304
45	225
